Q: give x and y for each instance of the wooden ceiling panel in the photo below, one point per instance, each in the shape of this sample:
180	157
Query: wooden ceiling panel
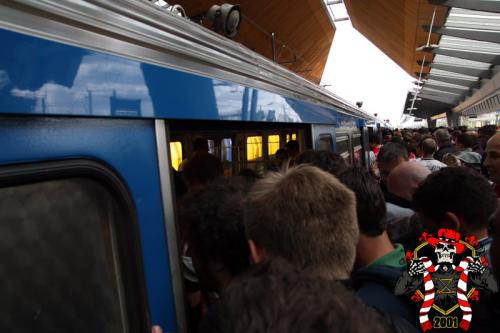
303	31
396	27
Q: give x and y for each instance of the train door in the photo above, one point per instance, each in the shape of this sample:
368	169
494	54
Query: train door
241	146
323	137
81	217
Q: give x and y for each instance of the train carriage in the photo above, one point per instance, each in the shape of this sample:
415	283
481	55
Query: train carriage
99	103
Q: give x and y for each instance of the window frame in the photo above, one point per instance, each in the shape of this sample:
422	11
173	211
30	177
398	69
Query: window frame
127	233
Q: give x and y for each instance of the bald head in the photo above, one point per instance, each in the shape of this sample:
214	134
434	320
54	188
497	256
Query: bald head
405	178
492	161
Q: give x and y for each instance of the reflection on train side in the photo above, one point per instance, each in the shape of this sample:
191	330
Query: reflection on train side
100	87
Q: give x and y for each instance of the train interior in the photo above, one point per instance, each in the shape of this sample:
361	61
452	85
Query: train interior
253	145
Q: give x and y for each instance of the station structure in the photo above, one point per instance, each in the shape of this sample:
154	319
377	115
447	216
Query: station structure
450	47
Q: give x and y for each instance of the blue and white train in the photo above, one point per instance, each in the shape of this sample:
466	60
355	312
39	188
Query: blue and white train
98	100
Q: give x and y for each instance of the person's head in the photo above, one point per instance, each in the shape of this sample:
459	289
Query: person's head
281	155
292	148
306	216
370	202
200	169
277	298
485	133
248	177
212	222
200	145
495	245
457	198
464	141
397	139
451	160
374	140
405	178
389	157
429	147
325	160
442	137
454	136
492	161
415	141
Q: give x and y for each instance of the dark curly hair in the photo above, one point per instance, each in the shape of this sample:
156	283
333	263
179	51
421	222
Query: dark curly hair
461	191
370	202
392	151
212	222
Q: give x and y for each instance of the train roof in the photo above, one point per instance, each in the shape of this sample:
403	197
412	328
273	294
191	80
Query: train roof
169	41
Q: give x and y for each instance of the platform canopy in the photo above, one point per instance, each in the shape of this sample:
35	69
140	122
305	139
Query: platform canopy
451	47
303	31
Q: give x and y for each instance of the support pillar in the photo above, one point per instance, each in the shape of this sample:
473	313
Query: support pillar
453	118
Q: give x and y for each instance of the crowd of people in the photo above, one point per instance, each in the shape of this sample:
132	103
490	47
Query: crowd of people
319	246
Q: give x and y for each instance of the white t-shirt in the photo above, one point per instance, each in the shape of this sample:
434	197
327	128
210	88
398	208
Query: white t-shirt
431	164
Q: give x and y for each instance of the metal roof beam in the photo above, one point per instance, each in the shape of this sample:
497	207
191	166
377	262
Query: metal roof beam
482	35
450	101
463	70
454	90
452	80
440	93
493	59
485	6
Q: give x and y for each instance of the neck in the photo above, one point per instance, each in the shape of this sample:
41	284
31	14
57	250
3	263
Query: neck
370	249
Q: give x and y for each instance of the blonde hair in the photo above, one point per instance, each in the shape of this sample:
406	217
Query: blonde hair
306	216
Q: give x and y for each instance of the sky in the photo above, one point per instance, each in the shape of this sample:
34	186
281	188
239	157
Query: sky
357	70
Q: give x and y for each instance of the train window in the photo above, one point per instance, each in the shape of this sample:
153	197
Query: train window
176	154
226	157
226	150
343	148
66	257
292	136
254	148
356	140
211	147
325	142
273	144
357	148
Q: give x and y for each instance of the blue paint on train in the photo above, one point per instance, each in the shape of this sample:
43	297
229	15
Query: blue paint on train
39	76
129	147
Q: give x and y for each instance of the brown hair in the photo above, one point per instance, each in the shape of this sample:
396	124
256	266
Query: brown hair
278	298
307	216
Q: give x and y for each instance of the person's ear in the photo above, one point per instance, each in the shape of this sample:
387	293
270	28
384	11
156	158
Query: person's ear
256	253
452	221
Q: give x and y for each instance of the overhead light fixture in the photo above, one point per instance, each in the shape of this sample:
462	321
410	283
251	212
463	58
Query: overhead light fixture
225	18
